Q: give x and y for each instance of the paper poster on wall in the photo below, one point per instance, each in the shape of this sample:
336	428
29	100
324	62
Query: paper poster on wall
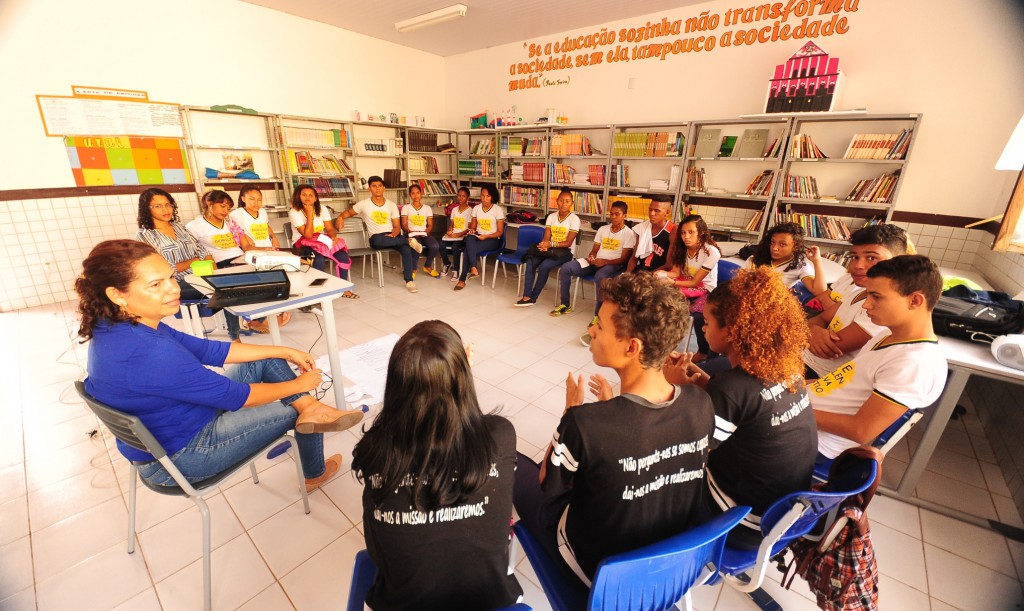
117	112
117	160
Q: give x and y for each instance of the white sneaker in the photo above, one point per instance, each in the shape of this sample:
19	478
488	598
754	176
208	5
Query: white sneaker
415	245
411	286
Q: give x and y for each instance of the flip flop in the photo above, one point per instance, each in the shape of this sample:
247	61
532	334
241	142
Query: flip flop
259	326
283	318
350	295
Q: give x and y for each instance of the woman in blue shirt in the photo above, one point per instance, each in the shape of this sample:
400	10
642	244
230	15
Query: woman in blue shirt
204	420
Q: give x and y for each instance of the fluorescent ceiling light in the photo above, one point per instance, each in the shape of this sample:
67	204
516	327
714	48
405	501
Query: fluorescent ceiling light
432	18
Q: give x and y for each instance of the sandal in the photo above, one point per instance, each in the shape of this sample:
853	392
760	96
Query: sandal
350	295
259	326
283	318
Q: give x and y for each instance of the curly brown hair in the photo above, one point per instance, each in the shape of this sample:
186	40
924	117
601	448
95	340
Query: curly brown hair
109	264
649	310
677	250
767	325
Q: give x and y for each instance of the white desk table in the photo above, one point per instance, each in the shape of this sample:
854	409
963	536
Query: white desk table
302	294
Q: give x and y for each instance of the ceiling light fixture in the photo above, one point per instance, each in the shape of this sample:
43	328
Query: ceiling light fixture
432	18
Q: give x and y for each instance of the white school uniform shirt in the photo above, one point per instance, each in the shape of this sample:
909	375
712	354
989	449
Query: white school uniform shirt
298	219
377	219
487	221
560	229
707	261
460	222
851	311
792	276
612	243
218	241
417	219
258	229
909	374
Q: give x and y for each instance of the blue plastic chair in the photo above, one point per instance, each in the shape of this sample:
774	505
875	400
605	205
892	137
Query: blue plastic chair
483	254
884	442
726	270
789	518
527	236
365	571
652	578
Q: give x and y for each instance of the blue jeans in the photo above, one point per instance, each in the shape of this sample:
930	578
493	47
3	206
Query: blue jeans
383	241
320	262
537	271
232	436
456	246
573	269
475	246
429	242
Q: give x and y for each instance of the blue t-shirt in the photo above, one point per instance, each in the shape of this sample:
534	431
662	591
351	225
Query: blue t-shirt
159	376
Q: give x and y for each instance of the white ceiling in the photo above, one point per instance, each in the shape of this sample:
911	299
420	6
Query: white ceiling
488	23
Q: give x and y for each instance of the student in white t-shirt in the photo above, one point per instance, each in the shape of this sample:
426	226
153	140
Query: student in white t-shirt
383	222
613	246
839	332
418	224
692	267
216	232
252	218
459	220
782	247
312	228
554	250
485	231
897	370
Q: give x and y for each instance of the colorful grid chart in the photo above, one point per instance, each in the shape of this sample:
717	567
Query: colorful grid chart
120	160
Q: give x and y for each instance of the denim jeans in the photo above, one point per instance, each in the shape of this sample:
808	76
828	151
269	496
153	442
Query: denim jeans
232	436
475	246
573	269
383	241
537	271
456	247
430	244
320	262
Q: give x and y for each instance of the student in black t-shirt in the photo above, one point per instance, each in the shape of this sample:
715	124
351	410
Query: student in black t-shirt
765	439
438	478
626	471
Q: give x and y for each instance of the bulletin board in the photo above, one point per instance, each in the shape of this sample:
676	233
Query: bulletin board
119	160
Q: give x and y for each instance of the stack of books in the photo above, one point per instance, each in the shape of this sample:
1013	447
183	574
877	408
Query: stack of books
568	145
648	144
695	180
803	147
762	183
876	190
597	174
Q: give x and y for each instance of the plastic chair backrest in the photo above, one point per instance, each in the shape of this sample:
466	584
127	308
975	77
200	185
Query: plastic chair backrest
726	270
500	247
127	428
527	236
890	436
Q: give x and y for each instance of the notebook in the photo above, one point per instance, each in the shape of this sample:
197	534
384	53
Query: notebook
244	288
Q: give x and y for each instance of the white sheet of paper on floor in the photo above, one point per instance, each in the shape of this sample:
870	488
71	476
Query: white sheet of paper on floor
365	368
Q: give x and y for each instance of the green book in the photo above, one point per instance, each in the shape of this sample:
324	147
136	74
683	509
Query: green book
728	144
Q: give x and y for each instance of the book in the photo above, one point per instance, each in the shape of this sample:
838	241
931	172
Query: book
752	143
728	144
708	143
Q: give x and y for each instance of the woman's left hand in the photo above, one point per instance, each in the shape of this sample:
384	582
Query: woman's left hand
303	360
813	254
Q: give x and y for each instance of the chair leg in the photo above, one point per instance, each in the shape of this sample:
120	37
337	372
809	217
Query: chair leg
298	471
380	269
204	512
519	278
483	269
255	477
575	289
133	478
494	276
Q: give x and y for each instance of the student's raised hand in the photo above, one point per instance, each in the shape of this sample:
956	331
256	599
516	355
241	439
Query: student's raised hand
813	254
573	391
824	343
600	387
679	369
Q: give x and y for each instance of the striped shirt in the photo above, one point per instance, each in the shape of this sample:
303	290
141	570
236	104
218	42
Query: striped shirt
176	251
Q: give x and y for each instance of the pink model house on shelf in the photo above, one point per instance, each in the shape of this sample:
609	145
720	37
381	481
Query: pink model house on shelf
808	82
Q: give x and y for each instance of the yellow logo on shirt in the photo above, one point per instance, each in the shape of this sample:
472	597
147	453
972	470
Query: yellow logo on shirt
835	325
485	225
259	231
610	244
380	217
417	220
223	241
458	223
559	233
837	379
836	297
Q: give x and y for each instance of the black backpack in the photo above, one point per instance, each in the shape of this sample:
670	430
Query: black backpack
979	316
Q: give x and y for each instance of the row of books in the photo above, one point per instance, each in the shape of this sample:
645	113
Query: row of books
800	186
304	136
879	146
596	174
584	202
754	224
816	225
562	173
762	183
522	196
802	146
435	187
751	144
380	147
304	162
620	175
564	145
648	144
513	146
841	257
476	167
326	187
534	172
422	141
483	147
424	165
638	205
877	190
695	179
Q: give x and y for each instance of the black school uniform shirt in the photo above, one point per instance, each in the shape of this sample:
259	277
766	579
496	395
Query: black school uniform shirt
448	558
764	445
625	473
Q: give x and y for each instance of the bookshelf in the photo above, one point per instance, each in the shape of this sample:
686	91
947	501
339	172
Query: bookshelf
379	150
843	171
522	167
733	167
579	157
432	162
646	159
318	152
214	137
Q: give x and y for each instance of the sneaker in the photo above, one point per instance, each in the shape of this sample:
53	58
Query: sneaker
455	276
593	321
525	302
560	310
446	269
411	286
585	339
433	273
415	245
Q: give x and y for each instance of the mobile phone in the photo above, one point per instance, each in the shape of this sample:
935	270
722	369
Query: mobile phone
318	282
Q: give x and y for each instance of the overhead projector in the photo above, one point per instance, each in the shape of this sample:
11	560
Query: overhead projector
273	259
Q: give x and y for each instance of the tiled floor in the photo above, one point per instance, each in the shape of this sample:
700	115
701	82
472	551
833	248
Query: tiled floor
63	489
